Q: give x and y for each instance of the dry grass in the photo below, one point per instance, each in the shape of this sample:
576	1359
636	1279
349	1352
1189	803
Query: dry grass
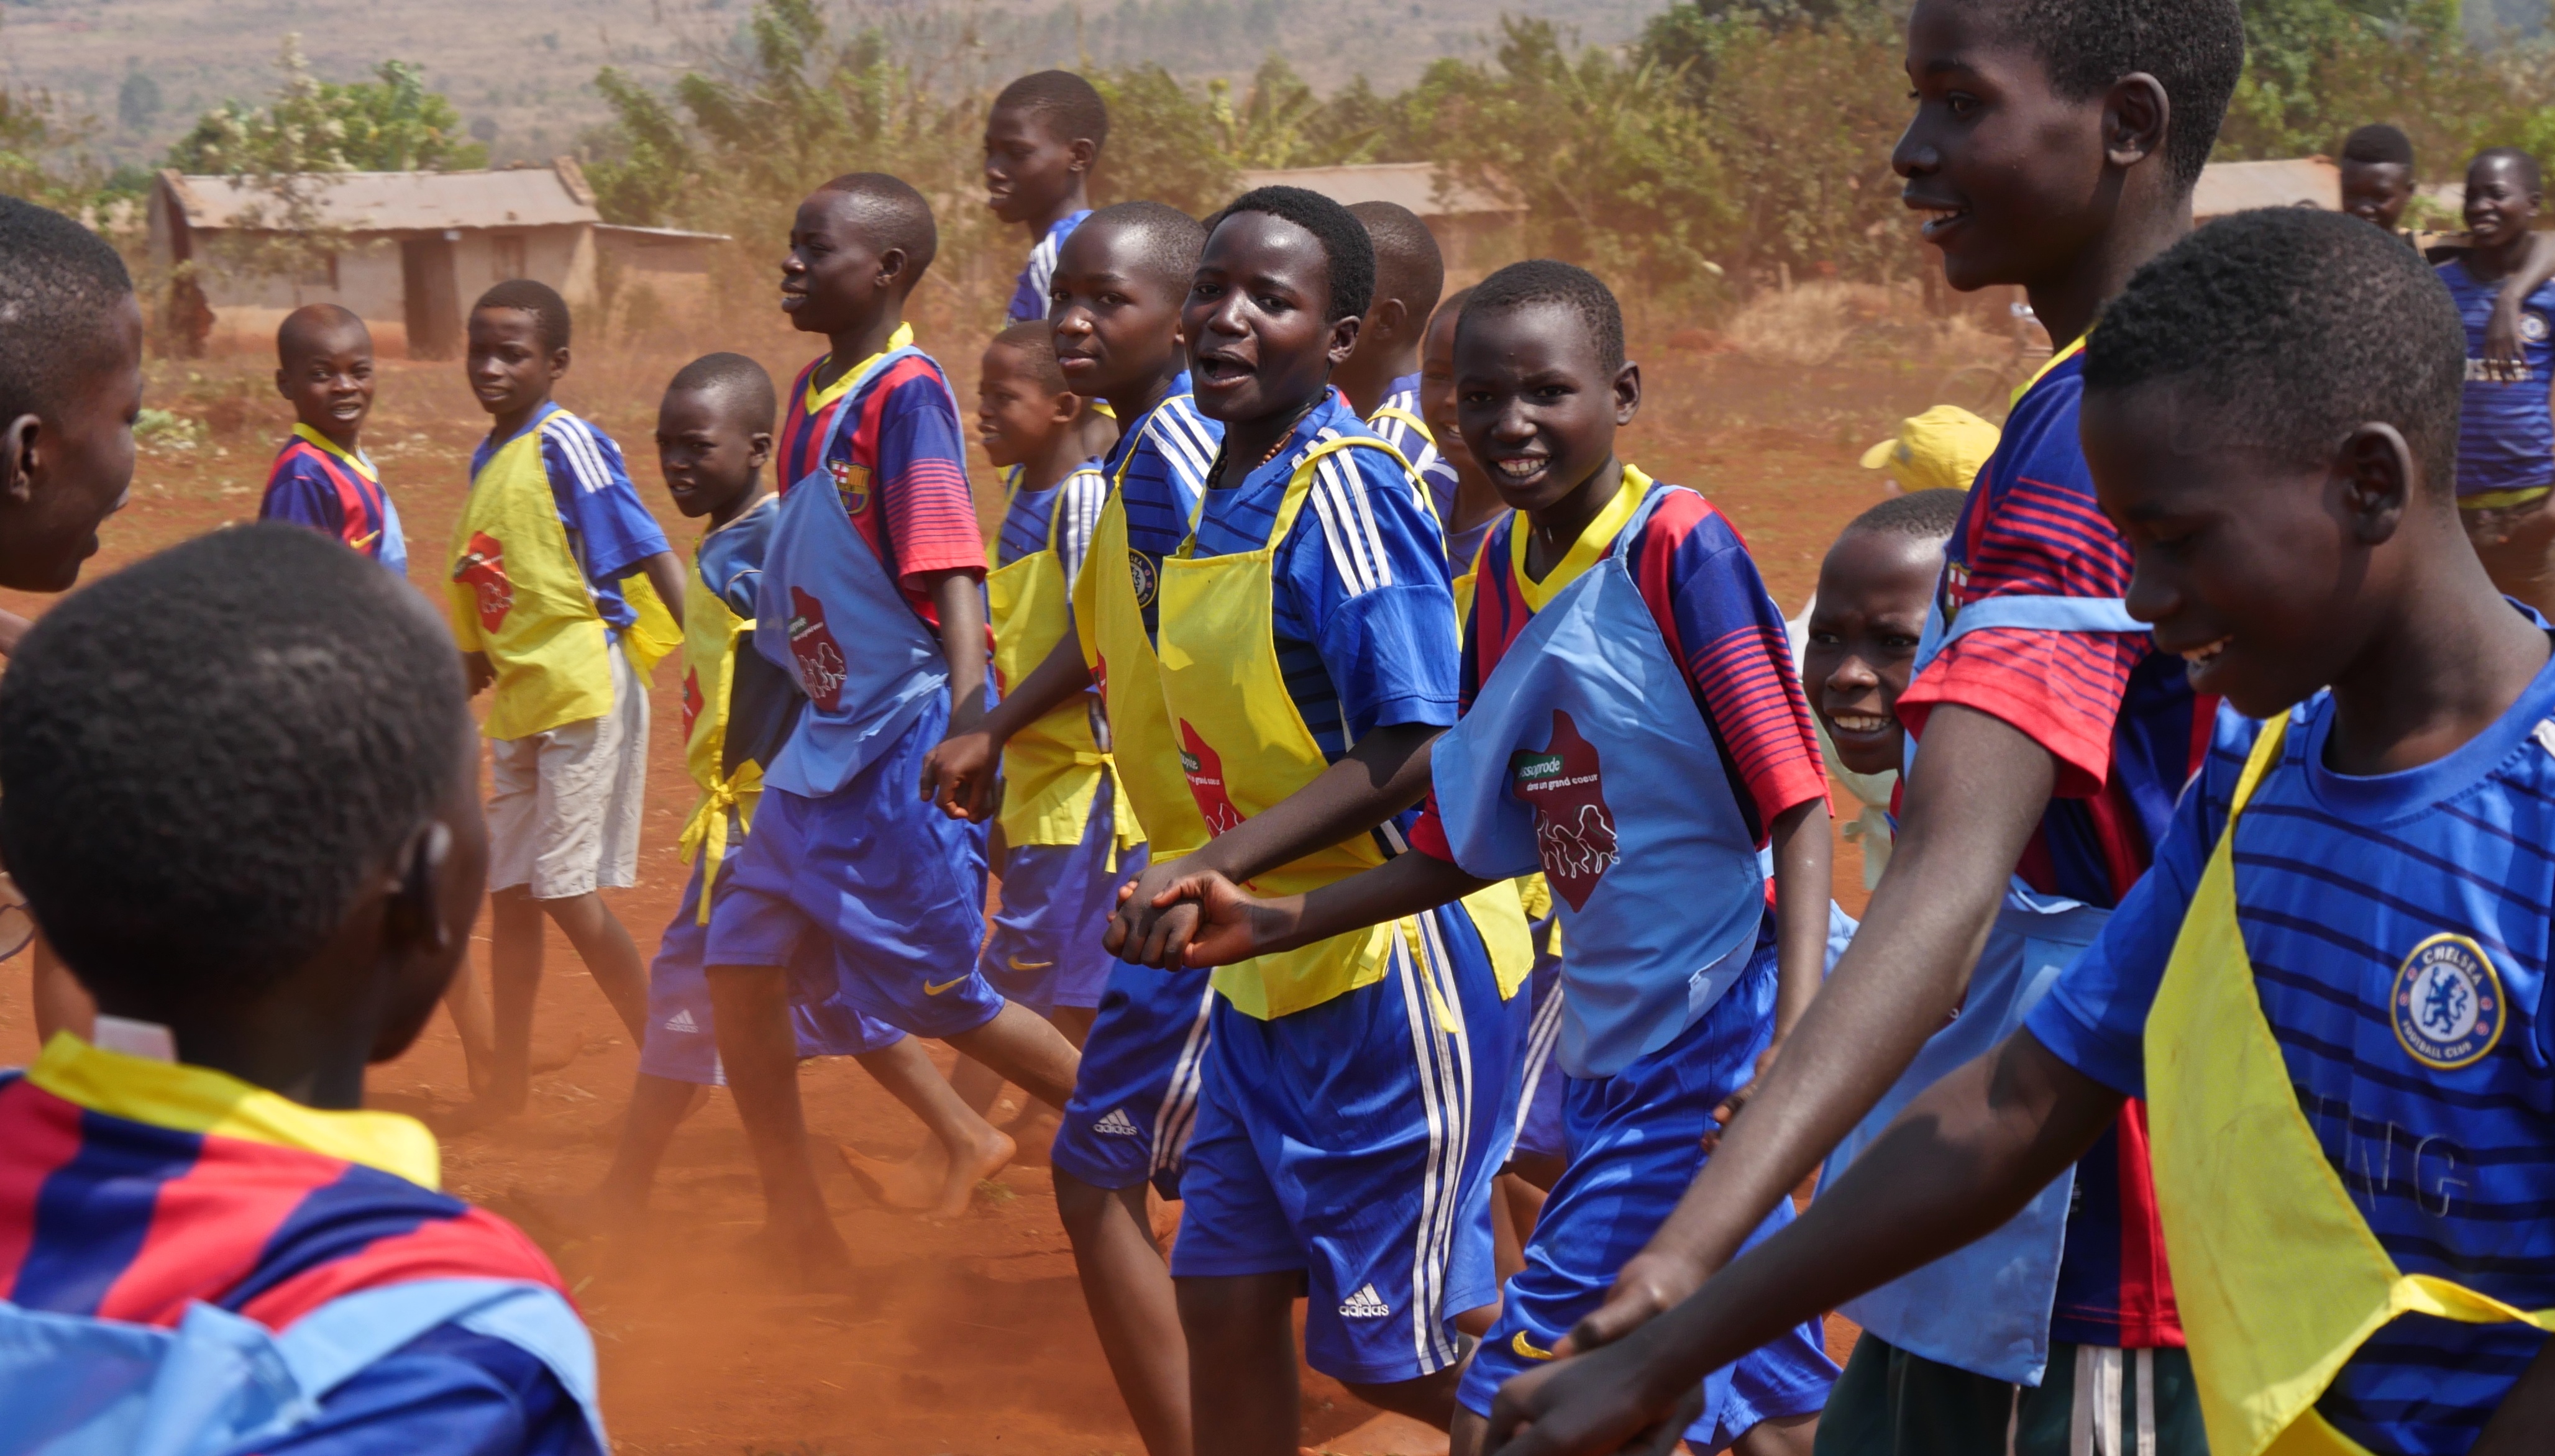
1808	326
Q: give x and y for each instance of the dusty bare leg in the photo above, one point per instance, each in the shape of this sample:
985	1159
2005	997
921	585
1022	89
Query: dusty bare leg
759	1048
1128	1286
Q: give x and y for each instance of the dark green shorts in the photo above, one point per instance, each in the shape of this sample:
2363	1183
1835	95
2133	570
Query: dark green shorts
2095	1402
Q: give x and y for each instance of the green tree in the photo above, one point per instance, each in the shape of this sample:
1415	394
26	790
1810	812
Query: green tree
1163	143
391	123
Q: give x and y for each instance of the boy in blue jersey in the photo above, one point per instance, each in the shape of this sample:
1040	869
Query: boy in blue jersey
1382	375
1119	285
1043	138
1651	1044
2507	434
1359	1094
323	478
713	439
2052	739
2270	410
258	927
872	596
553	561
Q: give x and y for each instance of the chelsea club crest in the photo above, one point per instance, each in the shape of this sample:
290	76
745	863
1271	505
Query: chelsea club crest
1143	577
2448	1007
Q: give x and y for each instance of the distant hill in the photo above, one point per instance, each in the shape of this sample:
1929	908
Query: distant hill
521	74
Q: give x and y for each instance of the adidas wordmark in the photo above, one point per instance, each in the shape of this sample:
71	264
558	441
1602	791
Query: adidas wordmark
1366	1303
681	1021
1117	1125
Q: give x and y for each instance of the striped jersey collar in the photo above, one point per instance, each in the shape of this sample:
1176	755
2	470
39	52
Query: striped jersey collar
817	398
200	1100
1584	552
360	462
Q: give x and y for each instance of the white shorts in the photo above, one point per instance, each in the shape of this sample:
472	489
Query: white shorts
563	805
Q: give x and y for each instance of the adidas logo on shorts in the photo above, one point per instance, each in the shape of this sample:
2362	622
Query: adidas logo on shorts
681	1021
1117	1125
1366	1303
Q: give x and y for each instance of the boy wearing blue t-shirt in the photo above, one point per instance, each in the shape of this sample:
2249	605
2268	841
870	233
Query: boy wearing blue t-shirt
1043	138
2506	432
563	595
323	478
2330	984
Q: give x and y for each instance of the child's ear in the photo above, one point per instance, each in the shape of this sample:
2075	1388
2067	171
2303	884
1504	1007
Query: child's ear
1085	154
281	387
1627	392
1344	337
2137	115
23	442
1067	409
413	918
758	449
891	268
559	362
2379	479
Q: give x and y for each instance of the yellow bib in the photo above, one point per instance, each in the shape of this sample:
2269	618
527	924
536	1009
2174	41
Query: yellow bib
2277	1276
1052	769
516	594
712	637
1243	746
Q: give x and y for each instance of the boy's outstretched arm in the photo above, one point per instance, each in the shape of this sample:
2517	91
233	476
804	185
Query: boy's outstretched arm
1234	925
1978	792
959	594
1963	1158
959	772
1384	774
2502	342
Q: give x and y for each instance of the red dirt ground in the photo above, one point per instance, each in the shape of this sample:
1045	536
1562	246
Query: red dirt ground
971	1336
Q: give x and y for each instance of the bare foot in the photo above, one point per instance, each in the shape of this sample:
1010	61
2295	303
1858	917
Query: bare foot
986	1158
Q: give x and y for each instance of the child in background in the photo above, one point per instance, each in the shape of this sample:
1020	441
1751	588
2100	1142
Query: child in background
563	595
1360	1092
1857	646
1467	503
1622	651
1943	449
872	596
1120	281
2054	736
321	478
2340	949
1380	376
2507	435
2378	176
71	385
197	1214
713	438
1043	138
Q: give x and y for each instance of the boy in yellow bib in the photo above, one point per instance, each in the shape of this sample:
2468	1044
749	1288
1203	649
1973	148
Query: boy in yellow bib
2329	986
1359	1093
563	595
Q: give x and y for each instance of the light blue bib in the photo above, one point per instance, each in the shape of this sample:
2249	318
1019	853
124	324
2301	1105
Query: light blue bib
1585	757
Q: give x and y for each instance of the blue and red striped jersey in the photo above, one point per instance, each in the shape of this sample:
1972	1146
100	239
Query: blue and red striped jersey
900	465
313	483
2121	720
131	1189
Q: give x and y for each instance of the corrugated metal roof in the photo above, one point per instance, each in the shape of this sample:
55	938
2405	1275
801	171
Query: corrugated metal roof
1414	185
2238	186
388	201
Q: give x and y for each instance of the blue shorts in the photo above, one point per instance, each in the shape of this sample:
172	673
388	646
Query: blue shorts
1135	1098
1540	1129
683	1041
1636	1139
1355	1143
1044	949
896	887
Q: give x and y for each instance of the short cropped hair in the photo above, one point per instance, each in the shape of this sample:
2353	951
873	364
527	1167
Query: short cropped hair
1549	281
2378	144
58	280
534	297
1920	515
210	752
2286	328
306	328
2525	161
1035	343
1408	265
895	213
735	378
1064	102
1343	238
1167	240
2195	48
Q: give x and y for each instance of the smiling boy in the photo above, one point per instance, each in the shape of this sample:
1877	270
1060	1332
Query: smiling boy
563	593
1043	138
321	478
1359	1093
2507	434
1633	729
2054	146
2271	413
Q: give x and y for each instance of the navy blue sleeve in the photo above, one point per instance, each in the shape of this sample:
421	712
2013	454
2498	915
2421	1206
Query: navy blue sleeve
1363	572
609	528
300	494
447	1393
2095	1018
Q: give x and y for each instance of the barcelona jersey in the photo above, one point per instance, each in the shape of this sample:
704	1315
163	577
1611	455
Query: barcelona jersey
318	484
900	464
